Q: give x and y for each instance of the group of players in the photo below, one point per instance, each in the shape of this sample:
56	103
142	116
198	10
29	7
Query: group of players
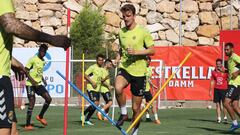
226	83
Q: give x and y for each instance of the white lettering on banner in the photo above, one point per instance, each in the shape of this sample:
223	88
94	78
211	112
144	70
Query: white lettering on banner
185	76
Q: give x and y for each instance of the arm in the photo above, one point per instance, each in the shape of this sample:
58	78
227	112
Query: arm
18	69
211	87
14	26
90	81
148	51
150	82
44	82
34	83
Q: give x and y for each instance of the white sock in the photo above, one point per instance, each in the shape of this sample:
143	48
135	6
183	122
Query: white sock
225	117
235	122
156	116
123	110
135	131
147	115
219	118
103	110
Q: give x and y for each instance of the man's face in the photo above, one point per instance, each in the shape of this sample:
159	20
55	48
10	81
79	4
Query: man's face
219	65
100	61
128	18
228	51
109	65
42	52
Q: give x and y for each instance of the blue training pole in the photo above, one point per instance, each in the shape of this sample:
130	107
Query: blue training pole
86	98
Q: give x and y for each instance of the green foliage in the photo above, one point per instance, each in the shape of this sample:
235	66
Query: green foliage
87	32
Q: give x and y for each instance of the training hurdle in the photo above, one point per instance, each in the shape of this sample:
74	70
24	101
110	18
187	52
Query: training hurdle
86	98
159	91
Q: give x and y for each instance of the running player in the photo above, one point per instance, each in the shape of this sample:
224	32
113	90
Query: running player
105	88
231	101
219	81
93	75
35	84
10	26
135	43
147	95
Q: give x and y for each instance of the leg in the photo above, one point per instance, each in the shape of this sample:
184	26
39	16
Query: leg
48	100
228	106
155	113
31	99
14	129
95	97
236	108
120	84
218	111
136	107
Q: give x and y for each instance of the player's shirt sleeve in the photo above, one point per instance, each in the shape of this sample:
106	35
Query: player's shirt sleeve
236	59
6	6
89	70
148	39
30	63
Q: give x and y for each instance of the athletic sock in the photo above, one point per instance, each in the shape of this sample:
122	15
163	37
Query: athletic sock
225	117
44	109
219	118
147	115
91	112
235	122
29	115
156	116
123	110
135	131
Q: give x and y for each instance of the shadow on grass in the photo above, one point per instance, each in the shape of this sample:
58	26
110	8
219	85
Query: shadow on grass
204	120
217	130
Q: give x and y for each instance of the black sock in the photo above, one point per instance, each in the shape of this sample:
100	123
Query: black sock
29	115
91	112
44	109
87	110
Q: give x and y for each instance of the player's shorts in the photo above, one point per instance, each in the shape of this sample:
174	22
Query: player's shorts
147	95
138	84
233	92
107	97
31	90
7	113
93	95
219	95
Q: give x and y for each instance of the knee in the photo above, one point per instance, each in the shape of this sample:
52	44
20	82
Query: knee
136	110
49	100
110	103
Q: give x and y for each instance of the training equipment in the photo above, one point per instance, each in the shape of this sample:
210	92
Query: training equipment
86	98
159	91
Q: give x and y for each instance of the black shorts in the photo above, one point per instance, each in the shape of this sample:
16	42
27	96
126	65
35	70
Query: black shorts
233	92
147	95
7	113
93	95
219	95
107	97
31	90
138	84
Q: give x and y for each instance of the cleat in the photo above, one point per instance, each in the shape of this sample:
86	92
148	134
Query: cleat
148	120
105	119
99	116
158	122
121	120
234	127
28	128
89	123
43	121
225	121
218	121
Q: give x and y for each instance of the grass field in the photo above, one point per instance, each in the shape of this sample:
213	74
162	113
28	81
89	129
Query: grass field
174	122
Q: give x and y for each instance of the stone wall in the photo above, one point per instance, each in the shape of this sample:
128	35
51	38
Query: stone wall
201	19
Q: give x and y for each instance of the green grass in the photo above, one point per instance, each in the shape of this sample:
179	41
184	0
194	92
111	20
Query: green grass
174	122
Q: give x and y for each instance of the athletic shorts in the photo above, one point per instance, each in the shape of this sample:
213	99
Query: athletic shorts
147	95
107	97
31	90
138	84
233	92
93	95
219	95
7	113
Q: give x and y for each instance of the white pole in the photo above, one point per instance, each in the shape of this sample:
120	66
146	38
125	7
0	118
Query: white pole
114	98
223	52
160	83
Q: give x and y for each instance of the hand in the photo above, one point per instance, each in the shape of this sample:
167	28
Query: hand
45	83
110	87
131	51
94	85
234	75
18	69
61	41
210	94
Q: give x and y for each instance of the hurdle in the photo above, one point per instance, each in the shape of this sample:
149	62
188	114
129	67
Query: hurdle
86	98
159	91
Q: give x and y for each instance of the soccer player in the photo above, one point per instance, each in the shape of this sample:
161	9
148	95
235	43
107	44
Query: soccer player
34	84
147	95
10	26
219	81
93	75
105	88
231	101
135	44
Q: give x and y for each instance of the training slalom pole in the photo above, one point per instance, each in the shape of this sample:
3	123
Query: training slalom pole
223	52
114	96
65	118
159	91
83	88
92	103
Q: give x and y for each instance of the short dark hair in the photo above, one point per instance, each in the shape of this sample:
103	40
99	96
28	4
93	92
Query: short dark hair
148	58
128	7
108	60
100	56
217	60
229	44
43	46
